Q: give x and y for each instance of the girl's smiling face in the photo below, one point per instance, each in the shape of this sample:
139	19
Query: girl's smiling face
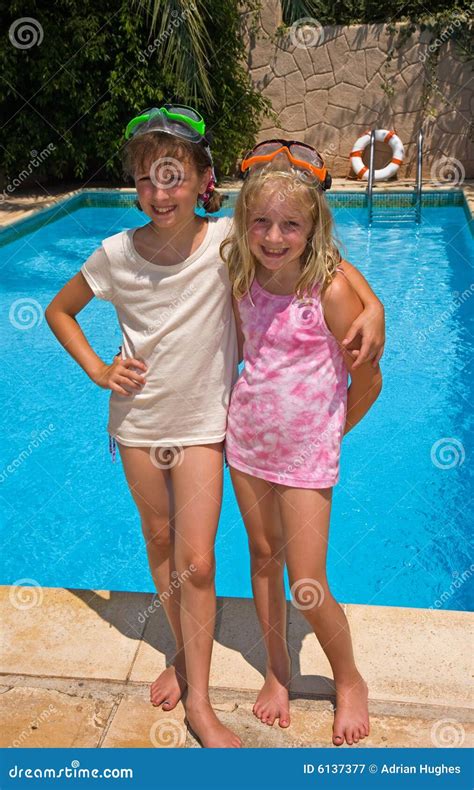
168	190
278	230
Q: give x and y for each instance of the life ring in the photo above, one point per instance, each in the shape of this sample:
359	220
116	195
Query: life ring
381	136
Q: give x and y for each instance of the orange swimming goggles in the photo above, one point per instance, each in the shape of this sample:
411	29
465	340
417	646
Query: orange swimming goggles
299	154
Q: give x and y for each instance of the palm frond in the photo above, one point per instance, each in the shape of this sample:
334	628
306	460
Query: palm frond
292	10
179	30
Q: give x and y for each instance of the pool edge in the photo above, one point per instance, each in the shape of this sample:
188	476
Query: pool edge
347	197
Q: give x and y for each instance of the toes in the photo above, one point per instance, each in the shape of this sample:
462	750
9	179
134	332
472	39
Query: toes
170	702
271	719
355	734
337	739
157	698
284	720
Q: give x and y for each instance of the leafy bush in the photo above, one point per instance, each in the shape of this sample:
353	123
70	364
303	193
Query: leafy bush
94	70
350	12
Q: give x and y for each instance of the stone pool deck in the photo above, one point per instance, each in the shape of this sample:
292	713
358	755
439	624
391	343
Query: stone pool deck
76	664
22	204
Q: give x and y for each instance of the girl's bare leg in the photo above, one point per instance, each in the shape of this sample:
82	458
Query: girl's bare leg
151	489
197	486
305	519
259	509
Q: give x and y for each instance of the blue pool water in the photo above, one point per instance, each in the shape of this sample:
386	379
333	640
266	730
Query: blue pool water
402	513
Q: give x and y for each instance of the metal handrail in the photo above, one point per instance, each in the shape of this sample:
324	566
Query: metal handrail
419	178
371	175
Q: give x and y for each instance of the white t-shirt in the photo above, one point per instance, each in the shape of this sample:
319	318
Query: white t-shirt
177	319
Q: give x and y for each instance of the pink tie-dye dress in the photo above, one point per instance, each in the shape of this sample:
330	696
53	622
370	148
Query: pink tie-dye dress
288	407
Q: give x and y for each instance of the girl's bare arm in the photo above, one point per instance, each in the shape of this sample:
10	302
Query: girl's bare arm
61	317
342	306
369	324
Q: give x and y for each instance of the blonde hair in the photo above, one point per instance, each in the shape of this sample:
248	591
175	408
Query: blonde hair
321	256
140	151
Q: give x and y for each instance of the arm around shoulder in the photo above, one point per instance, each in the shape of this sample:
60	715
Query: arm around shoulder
370	323
342	306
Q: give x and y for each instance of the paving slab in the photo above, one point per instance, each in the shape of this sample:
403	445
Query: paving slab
69	633
136	724
311	727
416	655
76	667
38	718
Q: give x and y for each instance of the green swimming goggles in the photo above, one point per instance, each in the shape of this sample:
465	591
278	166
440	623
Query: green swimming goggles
177	119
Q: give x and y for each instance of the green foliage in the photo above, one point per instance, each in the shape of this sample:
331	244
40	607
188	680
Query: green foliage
350	12
98	64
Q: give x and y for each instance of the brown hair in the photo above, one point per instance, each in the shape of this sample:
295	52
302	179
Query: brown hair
321	256
146	148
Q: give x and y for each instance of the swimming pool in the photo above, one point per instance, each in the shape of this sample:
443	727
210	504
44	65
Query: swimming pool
401	527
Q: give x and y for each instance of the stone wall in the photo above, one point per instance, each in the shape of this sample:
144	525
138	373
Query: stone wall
326	86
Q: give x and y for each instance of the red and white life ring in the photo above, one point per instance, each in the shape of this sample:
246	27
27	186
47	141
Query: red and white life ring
381	135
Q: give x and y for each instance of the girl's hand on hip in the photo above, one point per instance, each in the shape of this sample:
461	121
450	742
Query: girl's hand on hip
370	325
122	376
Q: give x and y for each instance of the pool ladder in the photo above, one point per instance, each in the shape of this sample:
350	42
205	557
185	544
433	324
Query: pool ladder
396	215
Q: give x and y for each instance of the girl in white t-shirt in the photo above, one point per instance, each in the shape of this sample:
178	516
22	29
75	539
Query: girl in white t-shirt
171	384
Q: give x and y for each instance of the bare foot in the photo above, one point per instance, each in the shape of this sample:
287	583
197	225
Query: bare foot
351	720
205	724
169	686
273	700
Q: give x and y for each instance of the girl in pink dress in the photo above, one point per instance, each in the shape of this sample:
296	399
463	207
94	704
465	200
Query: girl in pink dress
289	411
